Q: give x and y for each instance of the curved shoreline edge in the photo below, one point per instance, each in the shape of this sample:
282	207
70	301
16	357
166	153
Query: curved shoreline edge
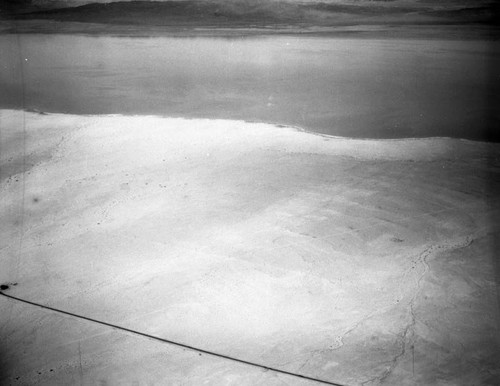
296	138
275	124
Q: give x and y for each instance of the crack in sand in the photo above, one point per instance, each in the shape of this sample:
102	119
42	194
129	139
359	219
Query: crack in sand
407	338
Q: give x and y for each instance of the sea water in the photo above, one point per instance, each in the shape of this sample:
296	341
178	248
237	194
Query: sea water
352	87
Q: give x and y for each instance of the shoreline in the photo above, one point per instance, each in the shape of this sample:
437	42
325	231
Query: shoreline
278	125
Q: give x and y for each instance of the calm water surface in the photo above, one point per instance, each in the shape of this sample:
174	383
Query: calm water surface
347	87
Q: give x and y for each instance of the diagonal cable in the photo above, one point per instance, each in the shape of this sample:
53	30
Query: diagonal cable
159	339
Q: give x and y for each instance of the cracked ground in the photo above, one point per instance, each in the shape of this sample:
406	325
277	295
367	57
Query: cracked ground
360	262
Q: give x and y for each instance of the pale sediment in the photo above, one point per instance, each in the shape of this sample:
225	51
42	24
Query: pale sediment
354	261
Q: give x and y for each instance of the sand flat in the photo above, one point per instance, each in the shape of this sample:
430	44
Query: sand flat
353	261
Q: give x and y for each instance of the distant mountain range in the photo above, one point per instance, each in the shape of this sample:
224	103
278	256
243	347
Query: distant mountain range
255	13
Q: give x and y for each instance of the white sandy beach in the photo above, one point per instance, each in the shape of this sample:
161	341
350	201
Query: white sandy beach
352	261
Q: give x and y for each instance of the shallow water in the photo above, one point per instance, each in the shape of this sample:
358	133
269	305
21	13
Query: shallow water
338	86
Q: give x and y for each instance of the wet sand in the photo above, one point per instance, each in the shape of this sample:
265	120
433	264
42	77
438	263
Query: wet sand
352	261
